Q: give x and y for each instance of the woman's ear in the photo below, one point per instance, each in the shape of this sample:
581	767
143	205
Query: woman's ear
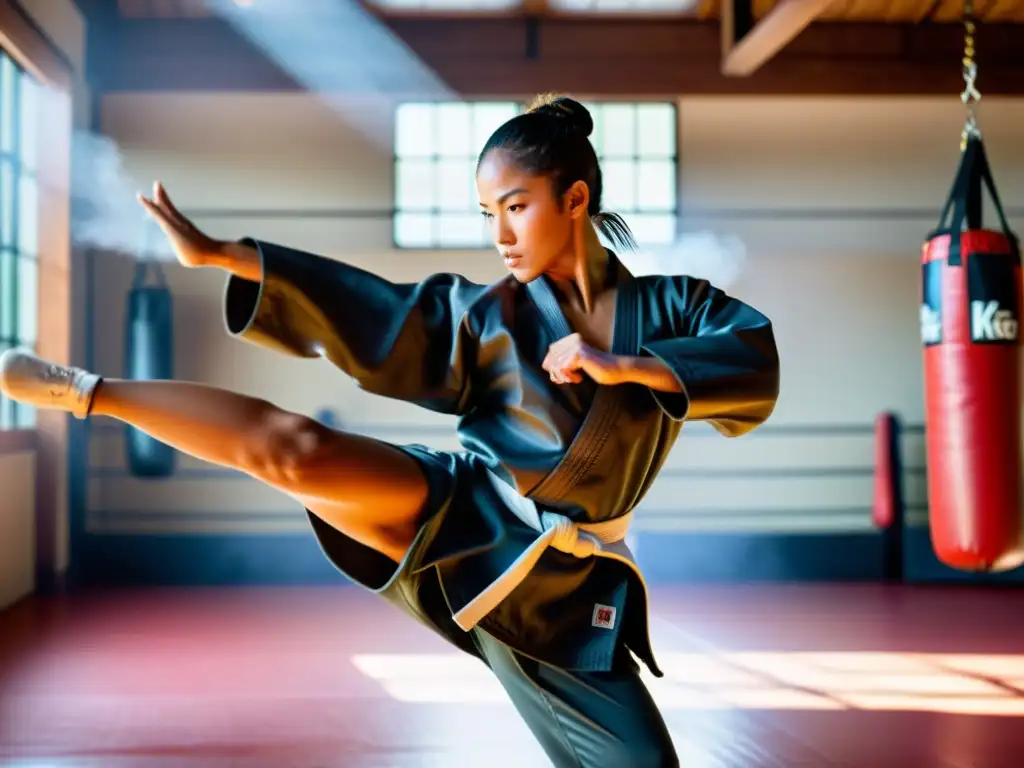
578	199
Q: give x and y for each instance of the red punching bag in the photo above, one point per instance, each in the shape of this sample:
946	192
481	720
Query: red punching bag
970	312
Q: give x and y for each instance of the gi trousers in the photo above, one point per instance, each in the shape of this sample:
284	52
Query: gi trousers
583	719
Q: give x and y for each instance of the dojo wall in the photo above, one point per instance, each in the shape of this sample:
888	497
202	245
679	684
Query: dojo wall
831	196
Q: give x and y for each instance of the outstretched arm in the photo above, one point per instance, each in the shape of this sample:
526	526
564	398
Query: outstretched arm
193	247
409	341
721	353
241	260
406	341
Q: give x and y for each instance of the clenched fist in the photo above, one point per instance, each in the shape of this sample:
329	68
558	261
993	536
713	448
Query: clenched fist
569	358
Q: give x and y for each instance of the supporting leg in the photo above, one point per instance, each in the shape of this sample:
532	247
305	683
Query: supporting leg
584	719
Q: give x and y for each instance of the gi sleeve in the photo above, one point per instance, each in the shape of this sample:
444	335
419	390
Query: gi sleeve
409	342
723	354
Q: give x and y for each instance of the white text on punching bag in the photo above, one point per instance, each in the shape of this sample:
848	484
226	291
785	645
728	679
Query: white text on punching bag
931	325
990	323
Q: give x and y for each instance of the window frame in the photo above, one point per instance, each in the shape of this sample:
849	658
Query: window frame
435	210
23	419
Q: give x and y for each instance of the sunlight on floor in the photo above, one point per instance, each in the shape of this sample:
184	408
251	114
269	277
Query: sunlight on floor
951	683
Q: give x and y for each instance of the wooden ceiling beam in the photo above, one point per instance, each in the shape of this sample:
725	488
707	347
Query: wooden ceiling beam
640	59
748	44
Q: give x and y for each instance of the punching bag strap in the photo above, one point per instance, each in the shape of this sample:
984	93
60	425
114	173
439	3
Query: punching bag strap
965	200
143	269
146	263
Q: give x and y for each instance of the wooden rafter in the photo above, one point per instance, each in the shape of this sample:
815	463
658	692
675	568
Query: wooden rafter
626	58
747	45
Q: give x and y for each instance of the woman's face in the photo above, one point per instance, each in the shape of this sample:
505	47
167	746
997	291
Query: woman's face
531	228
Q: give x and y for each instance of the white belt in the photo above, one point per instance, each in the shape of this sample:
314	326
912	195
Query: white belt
557	531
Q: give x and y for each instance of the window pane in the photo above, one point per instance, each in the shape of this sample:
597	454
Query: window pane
618	130
7	419
415	187
656	185
28	121
7	198
619	185
6	406
28	300
454	130
8	295
414	130
462	231
487	118
455	188
28	216
8	79
25	417
414	230
656	126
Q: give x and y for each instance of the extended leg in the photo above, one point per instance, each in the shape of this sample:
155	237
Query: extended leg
584	719
366	488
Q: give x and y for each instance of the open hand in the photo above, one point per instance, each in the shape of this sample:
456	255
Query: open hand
569	358
192	247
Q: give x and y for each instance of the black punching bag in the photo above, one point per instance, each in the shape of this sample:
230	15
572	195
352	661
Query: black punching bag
149	355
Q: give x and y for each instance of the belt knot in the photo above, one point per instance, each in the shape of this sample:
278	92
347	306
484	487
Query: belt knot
566	537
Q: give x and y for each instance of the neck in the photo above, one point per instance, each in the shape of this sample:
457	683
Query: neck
582	274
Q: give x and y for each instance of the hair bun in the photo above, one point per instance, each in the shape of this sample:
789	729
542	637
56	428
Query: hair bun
577	116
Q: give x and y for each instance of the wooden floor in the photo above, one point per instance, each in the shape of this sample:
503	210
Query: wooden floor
789	677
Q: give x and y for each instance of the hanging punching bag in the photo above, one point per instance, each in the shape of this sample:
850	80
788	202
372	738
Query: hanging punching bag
149	355
970	328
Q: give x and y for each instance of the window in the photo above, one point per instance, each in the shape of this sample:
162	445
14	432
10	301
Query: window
436	146
636	144
19	209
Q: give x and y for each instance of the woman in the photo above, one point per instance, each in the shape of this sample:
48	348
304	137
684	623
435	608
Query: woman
571	380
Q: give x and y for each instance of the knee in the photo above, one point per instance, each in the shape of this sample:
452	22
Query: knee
283	447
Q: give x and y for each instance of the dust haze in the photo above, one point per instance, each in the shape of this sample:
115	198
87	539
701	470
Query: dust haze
105	214
719	259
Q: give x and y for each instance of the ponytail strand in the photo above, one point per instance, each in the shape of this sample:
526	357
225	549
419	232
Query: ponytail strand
616	230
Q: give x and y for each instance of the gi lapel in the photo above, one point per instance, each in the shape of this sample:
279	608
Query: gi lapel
604	409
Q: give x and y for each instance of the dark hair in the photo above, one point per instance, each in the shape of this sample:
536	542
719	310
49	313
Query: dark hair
552	138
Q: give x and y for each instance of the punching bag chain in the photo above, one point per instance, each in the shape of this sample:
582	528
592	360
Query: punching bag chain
971	95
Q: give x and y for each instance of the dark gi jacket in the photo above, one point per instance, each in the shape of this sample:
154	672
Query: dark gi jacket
574	454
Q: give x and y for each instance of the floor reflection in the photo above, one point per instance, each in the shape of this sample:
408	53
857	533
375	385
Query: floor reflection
952	683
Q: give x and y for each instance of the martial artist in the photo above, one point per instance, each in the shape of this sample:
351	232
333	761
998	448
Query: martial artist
571	379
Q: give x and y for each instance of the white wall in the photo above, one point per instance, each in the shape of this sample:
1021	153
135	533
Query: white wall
63	24
843	294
